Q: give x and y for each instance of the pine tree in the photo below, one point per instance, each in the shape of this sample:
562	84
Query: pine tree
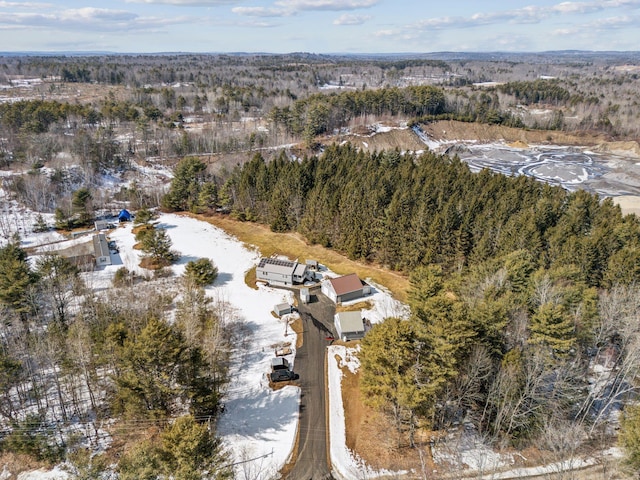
16	278
157	245
553	328
82	207
630	435
201	272
390	363
189	451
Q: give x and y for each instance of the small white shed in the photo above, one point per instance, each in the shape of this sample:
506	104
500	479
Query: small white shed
282	309
305	297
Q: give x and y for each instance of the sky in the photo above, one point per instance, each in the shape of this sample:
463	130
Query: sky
318	26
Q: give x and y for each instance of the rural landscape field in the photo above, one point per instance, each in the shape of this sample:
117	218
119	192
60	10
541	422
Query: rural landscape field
483	205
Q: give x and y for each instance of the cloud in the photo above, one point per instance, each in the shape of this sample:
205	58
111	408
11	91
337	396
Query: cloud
262	12
614	22
347	19
88	19
332	5
186	3
27	5
525	15
287	8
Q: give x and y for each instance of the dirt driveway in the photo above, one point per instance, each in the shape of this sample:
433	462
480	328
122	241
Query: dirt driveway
317	317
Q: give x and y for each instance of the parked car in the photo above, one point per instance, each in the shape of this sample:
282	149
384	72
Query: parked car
280	370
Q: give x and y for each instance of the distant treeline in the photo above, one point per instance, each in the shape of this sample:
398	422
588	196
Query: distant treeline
320	113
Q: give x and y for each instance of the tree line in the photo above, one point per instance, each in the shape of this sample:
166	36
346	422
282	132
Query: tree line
404	211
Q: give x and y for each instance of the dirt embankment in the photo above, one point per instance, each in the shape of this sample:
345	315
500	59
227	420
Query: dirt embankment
402	139
452	131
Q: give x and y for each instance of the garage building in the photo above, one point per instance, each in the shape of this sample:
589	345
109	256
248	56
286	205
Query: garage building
349	325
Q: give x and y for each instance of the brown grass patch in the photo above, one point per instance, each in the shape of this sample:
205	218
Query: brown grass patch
153	263
298	327
450	130
294	246
366	305
18	463
250	278
142	227
280	385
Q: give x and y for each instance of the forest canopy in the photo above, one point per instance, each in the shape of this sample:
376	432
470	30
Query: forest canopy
404	211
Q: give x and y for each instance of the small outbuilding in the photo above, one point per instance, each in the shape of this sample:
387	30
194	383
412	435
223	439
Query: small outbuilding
103	225
282	309
312	264
124	215
343	289
305	297
349	325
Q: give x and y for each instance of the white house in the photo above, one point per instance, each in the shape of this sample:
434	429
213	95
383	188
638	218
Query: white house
278	271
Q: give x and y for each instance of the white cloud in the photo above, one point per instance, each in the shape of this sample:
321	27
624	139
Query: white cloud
27	5
262	12
326	4
185	3
614	22
89	19
287	8
529	14
347	19
96	14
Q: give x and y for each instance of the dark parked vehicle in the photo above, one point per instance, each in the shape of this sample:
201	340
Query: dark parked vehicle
280	371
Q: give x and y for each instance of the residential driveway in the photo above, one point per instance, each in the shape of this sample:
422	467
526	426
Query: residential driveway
317	319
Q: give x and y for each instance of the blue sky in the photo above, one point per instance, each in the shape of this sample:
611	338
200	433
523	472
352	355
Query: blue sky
318	26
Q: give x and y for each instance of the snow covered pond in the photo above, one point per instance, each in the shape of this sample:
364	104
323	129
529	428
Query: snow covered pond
573	168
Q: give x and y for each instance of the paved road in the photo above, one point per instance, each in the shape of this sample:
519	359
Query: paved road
312	462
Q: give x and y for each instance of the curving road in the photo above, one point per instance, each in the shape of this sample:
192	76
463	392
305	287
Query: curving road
312	462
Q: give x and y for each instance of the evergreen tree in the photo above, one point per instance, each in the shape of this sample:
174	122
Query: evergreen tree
16	278
188	178
202	272
389	358
157	245
552	327
82	207
189	451
630	435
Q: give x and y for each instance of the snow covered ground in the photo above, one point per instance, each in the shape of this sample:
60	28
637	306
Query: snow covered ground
259	424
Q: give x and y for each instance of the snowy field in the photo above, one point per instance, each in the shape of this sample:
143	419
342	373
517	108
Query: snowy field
258	425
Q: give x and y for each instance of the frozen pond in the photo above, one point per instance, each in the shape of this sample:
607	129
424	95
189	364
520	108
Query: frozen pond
570	167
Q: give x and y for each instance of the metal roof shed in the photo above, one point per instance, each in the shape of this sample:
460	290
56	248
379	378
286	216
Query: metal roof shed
349	325
282	309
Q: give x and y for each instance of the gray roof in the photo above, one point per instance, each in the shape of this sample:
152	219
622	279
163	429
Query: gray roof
100	245
277	265
350	321
299	270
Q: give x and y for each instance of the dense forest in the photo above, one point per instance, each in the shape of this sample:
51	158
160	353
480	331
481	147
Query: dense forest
406	211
